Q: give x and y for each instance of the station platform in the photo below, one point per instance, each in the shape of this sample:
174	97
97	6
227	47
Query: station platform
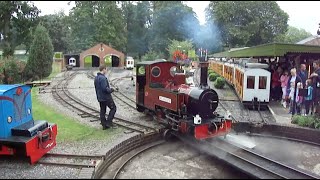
280	113
38	83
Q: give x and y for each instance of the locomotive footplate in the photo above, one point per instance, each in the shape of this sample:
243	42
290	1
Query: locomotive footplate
29	129
212	129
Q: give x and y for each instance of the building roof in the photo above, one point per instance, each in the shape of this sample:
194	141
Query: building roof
269	50
306	40
153	62
101	47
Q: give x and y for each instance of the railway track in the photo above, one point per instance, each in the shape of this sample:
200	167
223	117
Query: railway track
248	161
61	94
72	160
117	157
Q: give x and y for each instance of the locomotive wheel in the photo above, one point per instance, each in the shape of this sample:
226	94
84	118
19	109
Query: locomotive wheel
167	135
140	108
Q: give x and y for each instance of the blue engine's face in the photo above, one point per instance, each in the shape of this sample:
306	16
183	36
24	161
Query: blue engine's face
15	107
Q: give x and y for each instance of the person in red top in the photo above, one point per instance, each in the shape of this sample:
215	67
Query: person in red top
276	84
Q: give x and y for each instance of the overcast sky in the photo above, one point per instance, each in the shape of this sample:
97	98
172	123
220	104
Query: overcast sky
302	14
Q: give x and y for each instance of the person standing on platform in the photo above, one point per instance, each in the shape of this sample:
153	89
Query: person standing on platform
284	81
303	73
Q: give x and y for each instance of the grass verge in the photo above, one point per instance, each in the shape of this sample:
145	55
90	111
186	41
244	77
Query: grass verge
69	130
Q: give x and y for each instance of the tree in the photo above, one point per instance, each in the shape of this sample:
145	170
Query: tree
58	29
92	22
247	23
176	21
293	35
16	21
151	56
137	20
182	46
39	63
82	25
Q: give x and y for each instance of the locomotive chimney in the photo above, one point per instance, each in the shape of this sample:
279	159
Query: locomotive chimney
203	73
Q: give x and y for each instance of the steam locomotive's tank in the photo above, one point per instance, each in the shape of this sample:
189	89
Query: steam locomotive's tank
203	102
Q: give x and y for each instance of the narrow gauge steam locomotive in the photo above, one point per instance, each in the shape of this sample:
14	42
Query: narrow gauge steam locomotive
20	135
162	90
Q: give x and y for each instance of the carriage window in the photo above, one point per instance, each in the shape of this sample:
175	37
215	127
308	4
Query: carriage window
173	71
155	71
250	82
141	70
262	82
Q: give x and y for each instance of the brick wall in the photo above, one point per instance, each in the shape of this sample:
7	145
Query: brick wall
96	50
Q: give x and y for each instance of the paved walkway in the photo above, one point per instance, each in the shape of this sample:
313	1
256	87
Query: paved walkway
281	114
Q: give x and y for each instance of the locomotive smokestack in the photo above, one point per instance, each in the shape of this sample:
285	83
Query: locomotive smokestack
203	73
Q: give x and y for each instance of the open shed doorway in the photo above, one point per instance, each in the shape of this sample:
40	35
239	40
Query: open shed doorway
91	61
115	61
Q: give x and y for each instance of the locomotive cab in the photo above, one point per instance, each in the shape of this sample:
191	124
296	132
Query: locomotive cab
140	86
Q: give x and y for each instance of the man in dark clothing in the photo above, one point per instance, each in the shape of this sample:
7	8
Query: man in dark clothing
315	76
103	92
303	73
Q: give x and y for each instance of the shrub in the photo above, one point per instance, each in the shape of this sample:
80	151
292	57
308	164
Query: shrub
11	71
58	55
306	121
213	76
219	83
210	71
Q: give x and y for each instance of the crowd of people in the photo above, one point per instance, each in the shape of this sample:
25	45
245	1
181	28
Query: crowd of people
298	90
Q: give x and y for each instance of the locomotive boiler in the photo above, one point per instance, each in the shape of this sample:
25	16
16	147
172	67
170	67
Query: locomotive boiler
161	89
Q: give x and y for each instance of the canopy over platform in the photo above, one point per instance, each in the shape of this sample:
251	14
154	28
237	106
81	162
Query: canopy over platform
270	50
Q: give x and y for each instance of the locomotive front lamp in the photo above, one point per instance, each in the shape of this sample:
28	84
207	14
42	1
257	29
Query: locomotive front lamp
9	119
29	111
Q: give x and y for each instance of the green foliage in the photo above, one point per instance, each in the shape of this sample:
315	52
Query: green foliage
306	121
213	76
210	71
184	46
56	24
40	61
138	18
93	22
58	55
17	21
151	55
175	21
11	71
293	35
247	23
219	83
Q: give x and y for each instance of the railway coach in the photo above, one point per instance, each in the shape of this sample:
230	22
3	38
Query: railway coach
250	80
